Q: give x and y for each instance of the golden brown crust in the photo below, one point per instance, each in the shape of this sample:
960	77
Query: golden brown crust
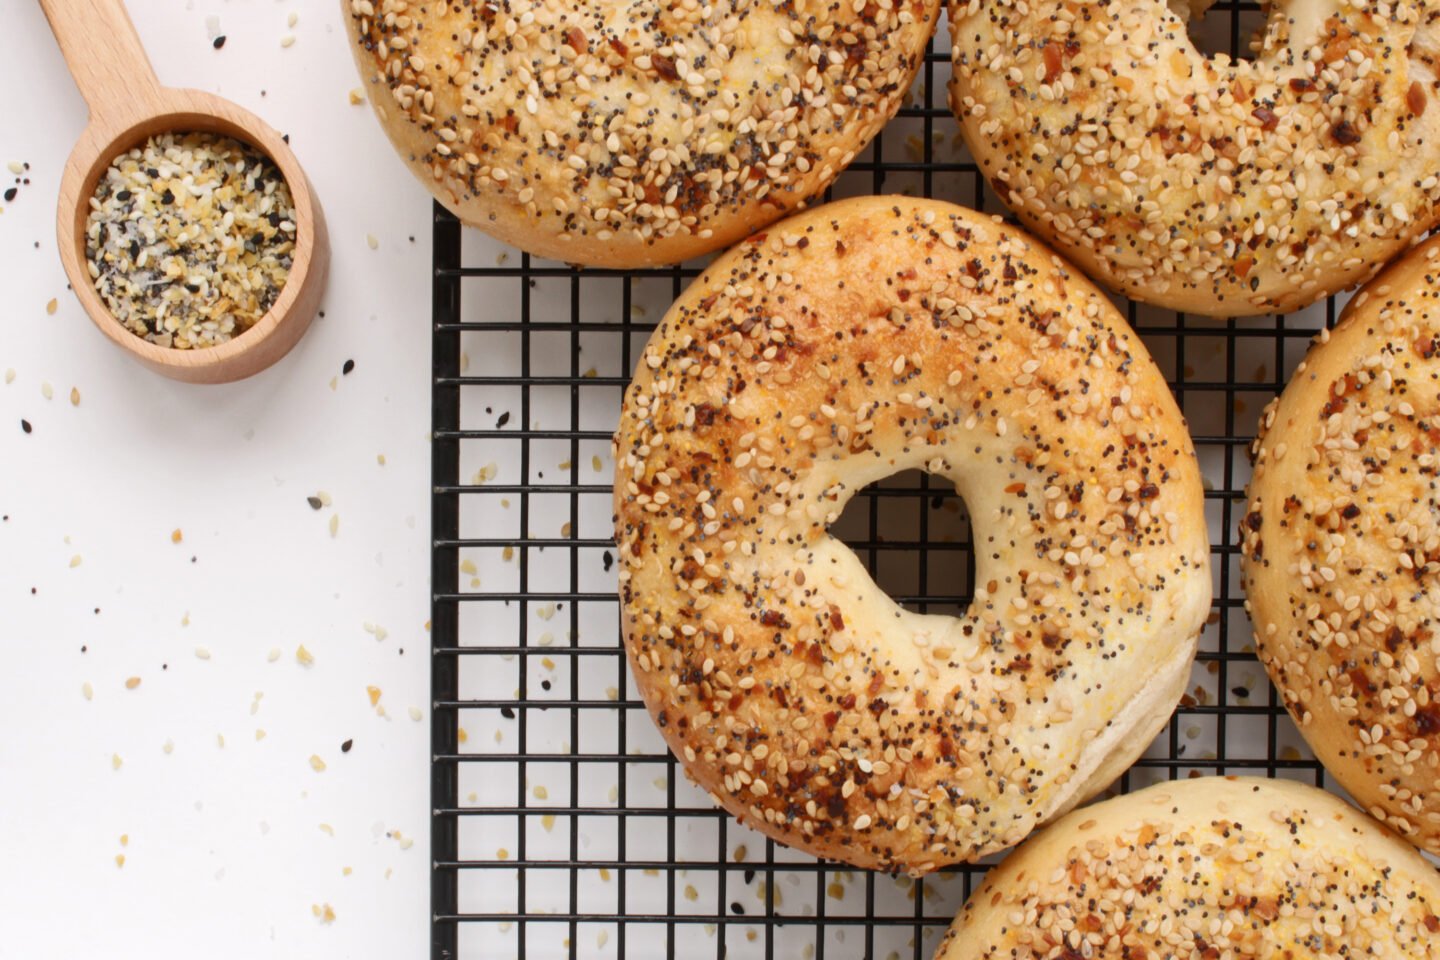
845	344
1341	546
629	134
1200	184
1201	869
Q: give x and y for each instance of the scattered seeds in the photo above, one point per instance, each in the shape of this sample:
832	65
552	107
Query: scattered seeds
87	690
52	306
334	524
374	694
356	97
132	683
316	763
74	396
176	536
202	653
303	657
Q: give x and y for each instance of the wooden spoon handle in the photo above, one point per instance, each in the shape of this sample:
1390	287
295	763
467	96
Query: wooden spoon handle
105	57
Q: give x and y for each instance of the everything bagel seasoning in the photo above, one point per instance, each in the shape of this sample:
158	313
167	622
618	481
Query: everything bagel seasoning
190	238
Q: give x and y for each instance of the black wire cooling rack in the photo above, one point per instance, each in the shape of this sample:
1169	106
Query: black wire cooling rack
561	826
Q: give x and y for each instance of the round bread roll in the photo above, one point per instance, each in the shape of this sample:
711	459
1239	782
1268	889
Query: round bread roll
848	343
626	134
1199	183
1217	867
1341	546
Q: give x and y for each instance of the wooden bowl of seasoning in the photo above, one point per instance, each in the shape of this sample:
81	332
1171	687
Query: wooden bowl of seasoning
187	228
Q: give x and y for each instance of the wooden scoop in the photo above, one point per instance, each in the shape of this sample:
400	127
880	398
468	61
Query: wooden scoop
127	106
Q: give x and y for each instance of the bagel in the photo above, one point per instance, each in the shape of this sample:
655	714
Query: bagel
1201	869
619	133
1341	546
1203	184
848	343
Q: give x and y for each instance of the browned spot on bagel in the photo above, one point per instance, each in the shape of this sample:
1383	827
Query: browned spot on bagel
1415	98
1345	133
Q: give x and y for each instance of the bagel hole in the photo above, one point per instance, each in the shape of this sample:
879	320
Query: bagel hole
1232	27
911	530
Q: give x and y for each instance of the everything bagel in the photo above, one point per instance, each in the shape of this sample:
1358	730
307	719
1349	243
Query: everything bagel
848	343
1341	546
624	134
1205	868
1200	183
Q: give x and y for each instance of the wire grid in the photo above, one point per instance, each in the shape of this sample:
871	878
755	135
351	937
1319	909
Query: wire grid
561	825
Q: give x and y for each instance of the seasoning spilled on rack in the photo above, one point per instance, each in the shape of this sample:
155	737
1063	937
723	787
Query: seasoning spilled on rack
190	238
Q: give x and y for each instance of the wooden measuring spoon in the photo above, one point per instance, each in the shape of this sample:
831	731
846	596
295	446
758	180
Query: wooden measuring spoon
127	106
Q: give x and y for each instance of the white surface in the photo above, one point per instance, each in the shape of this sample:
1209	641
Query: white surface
226	853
